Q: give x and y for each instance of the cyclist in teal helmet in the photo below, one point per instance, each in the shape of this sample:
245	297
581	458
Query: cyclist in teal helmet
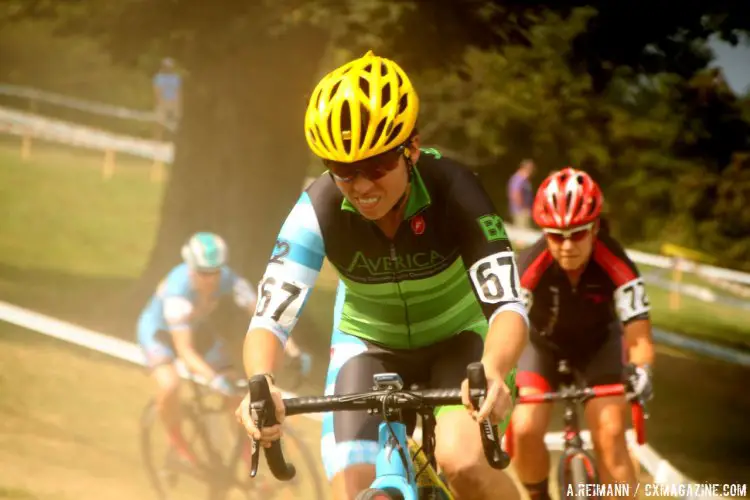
205	252
178	322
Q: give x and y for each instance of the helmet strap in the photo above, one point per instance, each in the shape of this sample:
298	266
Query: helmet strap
410	173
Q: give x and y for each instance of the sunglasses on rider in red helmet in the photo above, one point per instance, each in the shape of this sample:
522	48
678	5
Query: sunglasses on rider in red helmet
371	169
574	234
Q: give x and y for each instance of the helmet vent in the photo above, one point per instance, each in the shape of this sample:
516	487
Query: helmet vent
334	89
578	206
379	129
403	103
365	118
389	129
394	133
364	85
346	126
385	94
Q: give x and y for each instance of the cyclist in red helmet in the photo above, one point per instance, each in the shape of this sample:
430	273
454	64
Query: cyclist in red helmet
587	304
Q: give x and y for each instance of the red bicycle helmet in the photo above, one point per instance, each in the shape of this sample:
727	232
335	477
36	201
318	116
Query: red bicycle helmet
567	198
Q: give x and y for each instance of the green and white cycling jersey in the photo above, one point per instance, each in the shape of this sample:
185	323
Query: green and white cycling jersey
449	268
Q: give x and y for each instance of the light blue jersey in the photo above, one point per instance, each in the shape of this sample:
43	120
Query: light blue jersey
175	305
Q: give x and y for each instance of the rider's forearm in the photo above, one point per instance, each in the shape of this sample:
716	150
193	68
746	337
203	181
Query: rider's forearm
639	342
195	363
506	339
262	352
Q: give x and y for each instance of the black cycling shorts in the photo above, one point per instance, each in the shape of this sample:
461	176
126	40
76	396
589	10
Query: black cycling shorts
538	365
441	365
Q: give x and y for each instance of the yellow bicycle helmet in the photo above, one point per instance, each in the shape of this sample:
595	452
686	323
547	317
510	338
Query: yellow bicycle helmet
364	108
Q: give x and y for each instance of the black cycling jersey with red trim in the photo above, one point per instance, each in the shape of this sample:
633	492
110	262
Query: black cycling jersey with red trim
564	315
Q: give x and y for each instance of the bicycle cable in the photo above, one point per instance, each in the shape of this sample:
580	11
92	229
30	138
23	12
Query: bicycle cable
399	448
426	463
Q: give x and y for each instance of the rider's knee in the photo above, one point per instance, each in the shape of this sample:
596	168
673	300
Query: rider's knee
167	383
464	471
608	429
459	452
168	392
529	424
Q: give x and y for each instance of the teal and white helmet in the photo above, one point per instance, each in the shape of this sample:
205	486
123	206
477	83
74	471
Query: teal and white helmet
205	252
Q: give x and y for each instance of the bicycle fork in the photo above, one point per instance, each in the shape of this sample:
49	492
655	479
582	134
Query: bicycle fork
572	436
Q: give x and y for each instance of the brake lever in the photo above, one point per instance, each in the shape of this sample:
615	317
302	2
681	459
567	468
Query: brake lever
493	452
642	403
258	415
266	417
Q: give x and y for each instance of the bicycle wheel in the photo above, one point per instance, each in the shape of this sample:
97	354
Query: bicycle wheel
576	470
307	482
171	478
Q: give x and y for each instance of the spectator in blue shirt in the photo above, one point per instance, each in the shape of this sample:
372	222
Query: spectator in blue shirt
168	94
520	194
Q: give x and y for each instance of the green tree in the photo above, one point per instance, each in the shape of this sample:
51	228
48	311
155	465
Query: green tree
496	81
33	53
517	101
240	158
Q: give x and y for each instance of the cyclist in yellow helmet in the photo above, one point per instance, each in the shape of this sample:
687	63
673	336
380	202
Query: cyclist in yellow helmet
428	280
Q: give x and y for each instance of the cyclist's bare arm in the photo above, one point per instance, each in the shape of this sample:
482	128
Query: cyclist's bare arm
183	343
506	339
290	275
639	342
246	298
493	273
177	311
262	352
633	308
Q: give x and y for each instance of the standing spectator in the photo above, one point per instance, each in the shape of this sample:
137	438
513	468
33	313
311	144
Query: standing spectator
520	195
168	94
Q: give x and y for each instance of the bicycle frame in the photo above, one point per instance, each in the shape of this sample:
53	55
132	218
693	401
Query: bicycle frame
391	474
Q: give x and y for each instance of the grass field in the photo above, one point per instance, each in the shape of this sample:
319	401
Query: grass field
59	214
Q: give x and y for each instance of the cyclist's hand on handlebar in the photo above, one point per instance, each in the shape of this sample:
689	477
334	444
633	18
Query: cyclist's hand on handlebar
640	379
268	434
497	404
